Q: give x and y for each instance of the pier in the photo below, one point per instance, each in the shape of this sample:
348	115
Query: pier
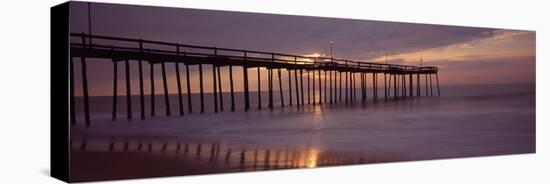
400	81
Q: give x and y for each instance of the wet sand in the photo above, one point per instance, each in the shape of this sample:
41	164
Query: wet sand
95	166
110	160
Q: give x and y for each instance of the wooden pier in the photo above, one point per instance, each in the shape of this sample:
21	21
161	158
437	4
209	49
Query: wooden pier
336	71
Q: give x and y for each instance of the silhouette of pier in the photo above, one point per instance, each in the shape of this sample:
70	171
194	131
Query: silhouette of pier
340	74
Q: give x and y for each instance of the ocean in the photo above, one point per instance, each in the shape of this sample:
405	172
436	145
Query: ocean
465	121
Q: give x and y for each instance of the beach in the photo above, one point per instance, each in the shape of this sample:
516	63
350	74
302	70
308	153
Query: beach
465	121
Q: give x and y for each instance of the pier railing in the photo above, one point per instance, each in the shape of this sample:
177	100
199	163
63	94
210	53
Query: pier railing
82	40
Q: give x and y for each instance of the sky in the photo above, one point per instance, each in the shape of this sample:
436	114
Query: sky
464	55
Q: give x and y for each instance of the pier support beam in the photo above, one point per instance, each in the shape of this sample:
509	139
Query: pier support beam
385	87
325	81
347	86
302	86
141	98
320	88
259	91
84	79
178	80
308	88
220	88
389	85
374	89
365	80
270	75
152	80
418	84
313	87
335	87
215	88
297	89
231	88
354	88
189	102
394	86
363	86
128	91
404	85
166	98
281	88
246	92
85	91
340	86
410	85
330	85
115	90
289	87
201	85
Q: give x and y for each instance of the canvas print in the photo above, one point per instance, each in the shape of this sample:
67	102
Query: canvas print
160	91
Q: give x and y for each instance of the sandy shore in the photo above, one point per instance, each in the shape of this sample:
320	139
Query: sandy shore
95	166
110	160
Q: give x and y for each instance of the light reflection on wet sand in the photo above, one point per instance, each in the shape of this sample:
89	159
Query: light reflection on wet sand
206	158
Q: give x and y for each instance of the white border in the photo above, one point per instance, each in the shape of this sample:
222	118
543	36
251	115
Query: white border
24	92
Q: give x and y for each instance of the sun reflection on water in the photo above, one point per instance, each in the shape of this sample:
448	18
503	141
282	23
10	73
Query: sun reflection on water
311	158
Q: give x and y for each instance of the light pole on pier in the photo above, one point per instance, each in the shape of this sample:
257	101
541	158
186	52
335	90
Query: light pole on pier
331	58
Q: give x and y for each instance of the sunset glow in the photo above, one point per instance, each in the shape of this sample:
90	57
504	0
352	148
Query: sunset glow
463	54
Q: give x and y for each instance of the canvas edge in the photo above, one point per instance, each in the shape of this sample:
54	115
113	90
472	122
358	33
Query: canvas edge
59	102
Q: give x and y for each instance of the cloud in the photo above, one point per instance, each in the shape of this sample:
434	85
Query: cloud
353	39
464	54
488	71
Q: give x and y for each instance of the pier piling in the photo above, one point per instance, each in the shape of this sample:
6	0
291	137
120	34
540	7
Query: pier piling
152	80
215	88
313	88
128	91
302	86
289	87
281	88
418	85
325	84
115	90
141	93
410	85
178	80
297	89
330	85
308	88
220	88
270	75
164	81
259	91
320	87
246	92
231	88
189	102
375	86
201	88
